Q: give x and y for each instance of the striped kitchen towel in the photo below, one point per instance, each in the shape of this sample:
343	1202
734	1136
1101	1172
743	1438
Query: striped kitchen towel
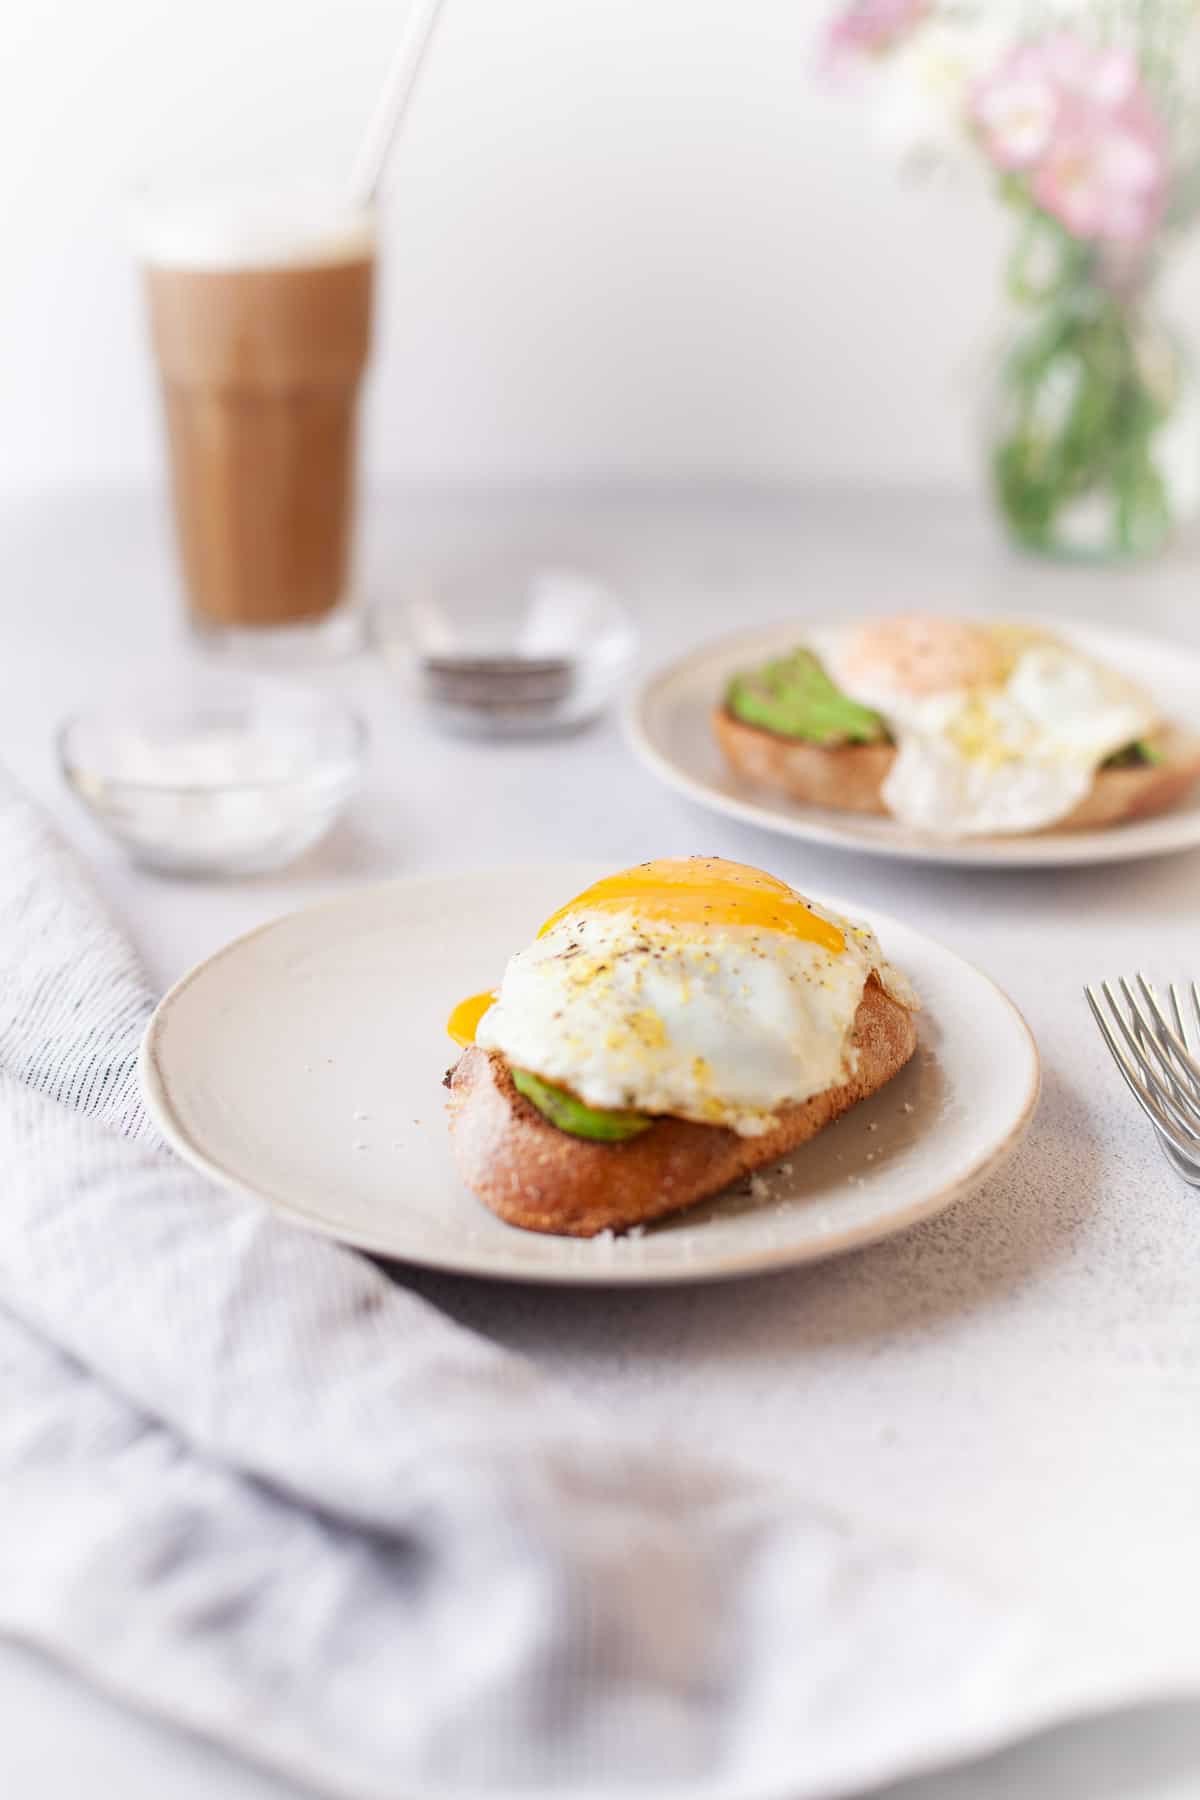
252	1485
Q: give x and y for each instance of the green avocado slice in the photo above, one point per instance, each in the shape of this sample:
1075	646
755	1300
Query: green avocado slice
1141	755
572	1116
794	697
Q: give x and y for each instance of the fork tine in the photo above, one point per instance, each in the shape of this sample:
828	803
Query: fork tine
1169	1093
1127	1073
1172	1091
1185	1144
1196	1002
1177	1015
1191	1066
1167	1105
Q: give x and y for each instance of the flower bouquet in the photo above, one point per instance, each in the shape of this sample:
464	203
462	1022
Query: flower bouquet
1087	115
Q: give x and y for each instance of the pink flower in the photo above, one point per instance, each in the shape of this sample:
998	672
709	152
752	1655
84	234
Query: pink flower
870	28
1095	74
1105	183
1078	119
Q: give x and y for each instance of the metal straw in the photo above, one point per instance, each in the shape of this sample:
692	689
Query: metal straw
393	101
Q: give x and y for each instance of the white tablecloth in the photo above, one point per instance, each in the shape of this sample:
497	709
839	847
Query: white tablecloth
973	1381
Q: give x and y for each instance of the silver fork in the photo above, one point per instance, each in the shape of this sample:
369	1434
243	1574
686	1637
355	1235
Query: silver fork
1155	1057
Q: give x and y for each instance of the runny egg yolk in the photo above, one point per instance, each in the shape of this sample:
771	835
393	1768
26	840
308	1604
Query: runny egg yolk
693	890
463	1022
705	890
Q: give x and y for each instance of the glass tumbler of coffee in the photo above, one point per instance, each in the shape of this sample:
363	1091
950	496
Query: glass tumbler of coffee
261	317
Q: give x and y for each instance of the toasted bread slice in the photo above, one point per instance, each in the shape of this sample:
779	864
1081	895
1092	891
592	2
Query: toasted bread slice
850	777
847	778
539	1178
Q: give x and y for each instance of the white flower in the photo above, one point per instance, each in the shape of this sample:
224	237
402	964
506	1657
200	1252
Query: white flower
926	85
1018	115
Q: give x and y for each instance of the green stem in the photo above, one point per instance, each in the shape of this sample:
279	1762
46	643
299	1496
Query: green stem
1082	412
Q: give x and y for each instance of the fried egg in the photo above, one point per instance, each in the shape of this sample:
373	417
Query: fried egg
998	728
698	988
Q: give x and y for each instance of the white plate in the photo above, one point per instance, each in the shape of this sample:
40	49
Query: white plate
669	729
303	1064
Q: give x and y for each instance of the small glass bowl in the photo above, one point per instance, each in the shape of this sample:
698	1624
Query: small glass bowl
215	774
501	649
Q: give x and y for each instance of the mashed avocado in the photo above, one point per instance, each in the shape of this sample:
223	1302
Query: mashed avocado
794	697
1141	755
571	1115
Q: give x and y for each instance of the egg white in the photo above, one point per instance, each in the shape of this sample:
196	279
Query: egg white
1015	757
722	1025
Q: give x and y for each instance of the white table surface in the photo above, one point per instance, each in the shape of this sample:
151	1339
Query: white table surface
89	602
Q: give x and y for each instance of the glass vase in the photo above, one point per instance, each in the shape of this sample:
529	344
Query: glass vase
1094	446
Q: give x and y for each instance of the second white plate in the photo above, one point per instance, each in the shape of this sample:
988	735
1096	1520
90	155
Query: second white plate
303	1063
670	731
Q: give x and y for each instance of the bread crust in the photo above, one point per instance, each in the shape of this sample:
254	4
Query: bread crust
850	777
541	1179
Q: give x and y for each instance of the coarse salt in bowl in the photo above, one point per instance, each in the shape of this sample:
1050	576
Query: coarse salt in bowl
215	774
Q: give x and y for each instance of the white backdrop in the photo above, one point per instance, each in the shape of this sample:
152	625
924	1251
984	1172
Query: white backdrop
627	240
